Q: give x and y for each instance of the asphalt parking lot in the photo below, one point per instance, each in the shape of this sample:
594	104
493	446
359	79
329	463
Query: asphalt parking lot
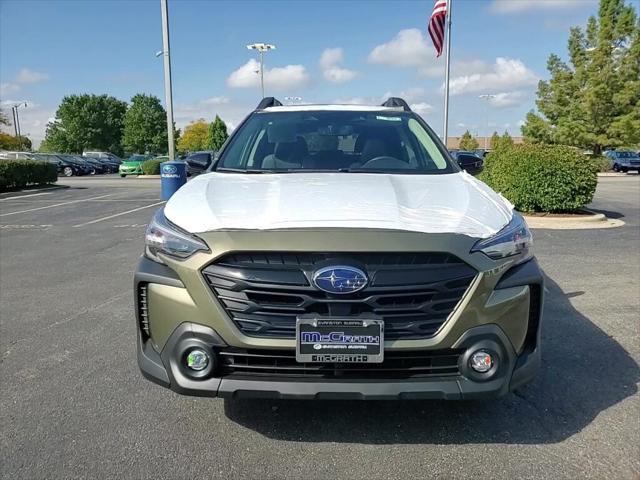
73	403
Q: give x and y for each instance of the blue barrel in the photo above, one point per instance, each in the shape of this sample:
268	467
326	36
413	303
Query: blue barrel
172	176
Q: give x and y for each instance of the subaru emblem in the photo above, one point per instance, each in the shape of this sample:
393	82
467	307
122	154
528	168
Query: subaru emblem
340	279
169	169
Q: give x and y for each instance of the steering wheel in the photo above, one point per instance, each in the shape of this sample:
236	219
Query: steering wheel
385	161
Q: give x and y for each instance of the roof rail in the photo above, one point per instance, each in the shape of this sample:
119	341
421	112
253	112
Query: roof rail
268	102
397	102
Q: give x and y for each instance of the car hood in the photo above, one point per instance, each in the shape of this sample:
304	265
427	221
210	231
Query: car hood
130	164
446	203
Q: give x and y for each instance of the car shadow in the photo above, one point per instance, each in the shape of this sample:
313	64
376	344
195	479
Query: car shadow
584	372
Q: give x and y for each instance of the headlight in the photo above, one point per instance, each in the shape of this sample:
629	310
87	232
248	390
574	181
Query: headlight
164	237
513	239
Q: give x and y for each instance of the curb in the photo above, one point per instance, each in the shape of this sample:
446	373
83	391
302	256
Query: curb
147	177
612	174
593	221
594	217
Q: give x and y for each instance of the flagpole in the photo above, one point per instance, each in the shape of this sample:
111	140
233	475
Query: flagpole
446	73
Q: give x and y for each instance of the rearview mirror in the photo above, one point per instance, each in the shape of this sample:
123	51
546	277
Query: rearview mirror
470	163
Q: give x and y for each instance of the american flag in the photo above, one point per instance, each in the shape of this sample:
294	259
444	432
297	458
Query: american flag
436	25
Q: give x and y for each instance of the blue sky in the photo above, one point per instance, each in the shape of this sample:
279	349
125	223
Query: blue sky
327	51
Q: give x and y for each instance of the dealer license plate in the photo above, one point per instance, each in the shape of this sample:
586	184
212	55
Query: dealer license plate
336	340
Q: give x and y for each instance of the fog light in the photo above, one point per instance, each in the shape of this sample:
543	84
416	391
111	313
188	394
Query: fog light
197	360
481	361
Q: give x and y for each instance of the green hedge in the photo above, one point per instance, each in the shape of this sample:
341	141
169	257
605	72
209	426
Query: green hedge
21	173
603	164
542	178
152	167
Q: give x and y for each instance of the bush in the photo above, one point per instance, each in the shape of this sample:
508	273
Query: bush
603	164
542	178
151	167
20	173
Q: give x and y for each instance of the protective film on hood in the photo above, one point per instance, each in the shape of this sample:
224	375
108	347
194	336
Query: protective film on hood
445	203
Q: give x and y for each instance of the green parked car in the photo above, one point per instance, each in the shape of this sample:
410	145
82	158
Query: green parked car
132	165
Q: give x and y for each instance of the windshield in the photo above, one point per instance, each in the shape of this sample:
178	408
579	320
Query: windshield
137	158
345	141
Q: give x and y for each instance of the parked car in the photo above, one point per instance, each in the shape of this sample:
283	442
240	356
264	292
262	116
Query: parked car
199	162
103	155
87	168
133	165
5	155
468	161
96	166
624	160
65	167
338	251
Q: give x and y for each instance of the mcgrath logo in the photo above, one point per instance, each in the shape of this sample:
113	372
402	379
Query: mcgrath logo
340	279
169	169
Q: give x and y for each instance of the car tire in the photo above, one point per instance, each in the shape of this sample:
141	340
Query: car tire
624	170
67	171
616	168
122	175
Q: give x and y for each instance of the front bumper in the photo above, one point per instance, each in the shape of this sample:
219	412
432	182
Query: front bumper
509	325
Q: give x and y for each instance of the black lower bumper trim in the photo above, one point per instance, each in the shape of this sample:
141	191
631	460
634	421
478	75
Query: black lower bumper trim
165	369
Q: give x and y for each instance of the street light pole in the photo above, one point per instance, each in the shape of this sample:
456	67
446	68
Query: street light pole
16	118
487	97
15	123
167	77
262	48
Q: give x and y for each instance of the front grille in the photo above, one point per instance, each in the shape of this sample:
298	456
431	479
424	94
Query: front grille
413	293
282	363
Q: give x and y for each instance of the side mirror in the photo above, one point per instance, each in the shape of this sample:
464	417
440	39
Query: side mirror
472	164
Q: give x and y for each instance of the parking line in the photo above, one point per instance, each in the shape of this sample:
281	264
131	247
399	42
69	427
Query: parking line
117	215
51	206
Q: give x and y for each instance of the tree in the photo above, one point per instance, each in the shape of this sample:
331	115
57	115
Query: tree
145	126
467	142
495	141
11	142
4	120
86	122
505	140
217	134
194	137
594	100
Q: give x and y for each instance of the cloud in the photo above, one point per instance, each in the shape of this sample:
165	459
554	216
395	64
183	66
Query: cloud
458	68
409	48
29	76
421	108
230	111
24	76
356	101
216	100
505	74
410	94
507	99
277	78
33	119
8	88
330	61
520	6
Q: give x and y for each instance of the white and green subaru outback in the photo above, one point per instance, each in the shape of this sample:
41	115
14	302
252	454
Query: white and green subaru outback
338	252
